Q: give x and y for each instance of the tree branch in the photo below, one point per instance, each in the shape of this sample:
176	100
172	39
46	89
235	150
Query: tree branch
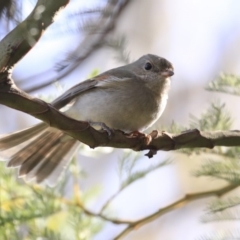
178	204
82	131
136	224
18	42
93	40
22	38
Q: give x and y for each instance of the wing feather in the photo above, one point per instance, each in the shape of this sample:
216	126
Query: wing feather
108	79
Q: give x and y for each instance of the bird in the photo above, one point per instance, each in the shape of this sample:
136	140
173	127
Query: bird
128	98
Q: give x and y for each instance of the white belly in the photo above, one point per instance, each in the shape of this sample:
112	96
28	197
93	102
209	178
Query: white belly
117	109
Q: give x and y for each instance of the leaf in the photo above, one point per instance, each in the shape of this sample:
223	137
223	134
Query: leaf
227	83
57	221
93	73
13	203
140	174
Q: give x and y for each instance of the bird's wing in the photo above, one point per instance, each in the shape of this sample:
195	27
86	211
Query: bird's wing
73	92
107	79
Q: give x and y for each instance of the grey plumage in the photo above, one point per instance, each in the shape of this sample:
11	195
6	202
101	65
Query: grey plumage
41	155
19	137
129	98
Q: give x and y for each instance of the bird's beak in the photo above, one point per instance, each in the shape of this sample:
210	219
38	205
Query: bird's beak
167	73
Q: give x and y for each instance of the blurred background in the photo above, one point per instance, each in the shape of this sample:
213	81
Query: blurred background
201	38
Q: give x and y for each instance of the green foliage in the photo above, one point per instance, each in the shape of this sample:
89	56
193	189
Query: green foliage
216	117
222	162
228	169
227	83
175	128
225	163
93	73
222	235
127	168
29	211
222	210
220	204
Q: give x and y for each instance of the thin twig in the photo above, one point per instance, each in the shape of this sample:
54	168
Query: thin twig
89	45
104	217
177	204
131	178
77	203
106	204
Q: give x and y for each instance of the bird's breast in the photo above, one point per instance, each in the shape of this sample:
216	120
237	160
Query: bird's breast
127	109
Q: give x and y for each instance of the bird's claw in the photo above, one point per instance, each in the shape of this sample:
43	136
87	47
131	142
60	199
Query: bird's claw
104	127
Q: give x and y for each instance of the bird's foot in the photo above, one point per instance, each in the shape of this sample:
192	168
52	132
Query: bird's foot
103	126
135	134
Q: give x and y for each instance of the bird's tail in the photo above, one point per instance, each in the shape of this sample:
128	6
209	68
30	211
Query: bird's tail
40	152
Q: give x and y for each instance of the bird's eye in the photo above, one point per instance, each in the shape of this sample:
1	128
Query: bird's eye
148	66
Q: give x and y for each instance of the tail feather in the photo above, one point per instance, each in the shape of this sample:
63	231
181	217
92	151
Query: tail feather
38	156
45	154
19	137
56	173
23	154
52	160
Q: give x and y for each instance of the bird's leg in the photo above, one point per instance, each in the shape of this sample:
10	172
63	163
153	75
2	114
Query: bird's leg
135	134
147	138
103	127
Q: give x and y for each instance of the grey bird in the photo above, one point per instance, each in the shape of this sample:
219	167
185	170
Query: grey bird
129	98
